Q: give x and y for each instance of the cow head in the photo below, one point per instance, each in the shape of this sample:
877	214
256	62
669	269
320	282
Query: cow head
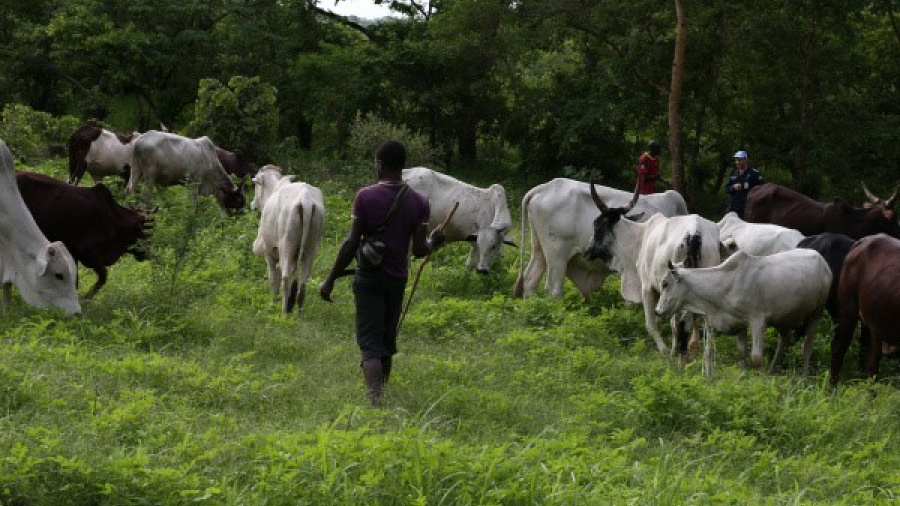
49	282
231	197
488	246
886	206
264	183
672	293
601	245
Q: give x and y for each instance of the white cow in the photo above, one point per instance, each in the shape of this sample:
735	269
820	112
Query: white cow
758	239
561	213
641	252
166	159
783	290
43	271
482	217
291	226
99	152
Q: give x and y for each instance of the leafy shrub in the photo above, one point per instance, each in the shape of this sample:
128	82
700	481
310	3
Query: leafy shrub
31	133
369	131
242	115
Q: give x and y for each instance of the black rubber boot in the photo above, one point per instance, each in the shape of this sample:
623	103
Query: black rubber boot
386	363
373	374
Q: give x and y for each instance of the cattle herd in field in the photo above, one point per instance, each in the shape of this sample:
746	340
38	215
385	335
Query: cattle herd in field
792	260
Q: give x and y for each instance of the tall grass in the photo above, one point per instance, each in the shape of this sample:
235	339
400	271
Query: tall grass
184	384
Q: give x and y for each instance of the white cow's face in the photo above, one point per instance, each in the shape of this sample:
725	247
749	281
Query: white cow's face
488	247
51	280
672	293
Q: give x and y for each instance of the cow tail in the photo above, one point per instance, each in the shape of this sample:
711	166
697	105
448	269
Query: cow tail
694	246
306	217
519	288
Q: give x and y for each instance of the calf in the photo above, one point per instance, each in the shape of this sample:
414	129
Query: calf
782	290
234	162
96	230
641	252
291	225
482	218
867	294
43	271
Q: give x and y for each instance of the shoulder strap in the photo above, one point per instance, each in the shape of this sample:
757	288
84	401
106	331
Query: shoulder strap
393	209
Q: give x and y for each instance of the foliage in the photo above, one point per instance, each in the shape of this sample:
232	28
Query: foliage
369	131
35	134
241	115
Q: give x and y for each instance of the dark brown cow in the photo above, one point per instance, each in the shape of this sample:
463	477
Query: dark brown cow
235	163
92	225
868	294
100	152
771	203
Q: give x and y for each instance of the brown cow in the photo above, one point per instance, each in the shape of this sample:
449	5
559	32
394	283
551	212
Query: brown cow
235	163
92	225
771	203
867	294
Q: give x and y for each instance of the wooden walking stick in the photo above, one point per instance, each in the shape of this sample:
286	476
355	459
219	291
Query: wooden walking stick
419	272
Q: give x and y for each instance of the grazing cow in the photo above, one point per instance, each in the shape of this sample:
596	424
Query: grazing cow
93	226
166	159
641	253
867	294
481	219
758	239
560	213
234	162
290	231
782	290
43	271
99	152
770	203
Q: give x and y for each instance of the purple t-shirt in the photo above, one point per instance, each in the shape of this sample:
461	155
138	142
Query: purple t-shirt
371	206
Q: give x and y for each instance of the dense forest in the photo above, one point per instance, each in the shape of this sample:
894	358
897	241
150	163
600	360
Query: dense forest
548	87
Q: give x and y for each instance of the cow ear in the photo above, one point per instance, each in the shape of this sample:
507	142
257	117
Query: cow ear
510	243
635	217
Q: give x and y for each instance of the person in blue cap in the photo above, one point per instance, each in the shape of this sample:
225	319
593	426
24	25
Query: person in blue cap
742	179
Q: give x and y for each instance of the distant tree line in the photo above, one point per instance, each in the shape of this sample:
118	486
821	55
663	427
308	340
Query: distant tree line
552	87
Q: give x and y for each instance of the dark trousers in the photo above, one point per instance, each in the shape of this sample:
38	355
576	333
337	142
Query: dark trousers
379	301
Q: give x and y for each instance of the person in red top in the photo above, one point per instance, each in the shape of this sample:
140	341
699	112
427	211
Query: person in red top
648	168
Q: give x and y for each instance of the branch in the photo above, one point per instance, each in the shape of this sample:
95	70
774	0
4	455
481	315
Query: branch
337	18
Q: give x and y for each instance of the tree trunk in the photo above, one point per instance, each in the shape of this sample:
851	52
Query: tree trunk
675	101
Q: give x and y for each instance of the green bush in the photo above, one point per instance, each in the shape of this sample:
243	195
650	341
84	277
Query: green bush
369	131
35	134
241	115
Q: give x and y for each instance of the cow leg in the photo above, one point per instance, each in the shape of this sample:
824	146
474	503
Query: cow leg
873	351
808	343
288	283
741	342
101	280
556	276
840	343
274	274
648	297
758	336
783	336
472	259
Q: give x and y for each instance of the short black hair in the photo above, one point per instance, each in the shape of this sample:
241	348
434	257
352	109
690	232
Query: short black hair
392	155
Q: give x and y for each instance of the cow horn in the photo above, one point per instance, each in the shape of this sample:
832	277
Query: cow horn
889	203
872	198
634	198
597	200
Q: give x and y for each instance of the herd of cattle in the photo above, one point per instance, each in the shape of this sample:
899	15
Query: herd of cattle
789	260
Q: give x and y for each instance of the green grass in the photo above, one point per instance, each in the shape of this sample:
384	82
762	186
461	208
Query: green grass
183	383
